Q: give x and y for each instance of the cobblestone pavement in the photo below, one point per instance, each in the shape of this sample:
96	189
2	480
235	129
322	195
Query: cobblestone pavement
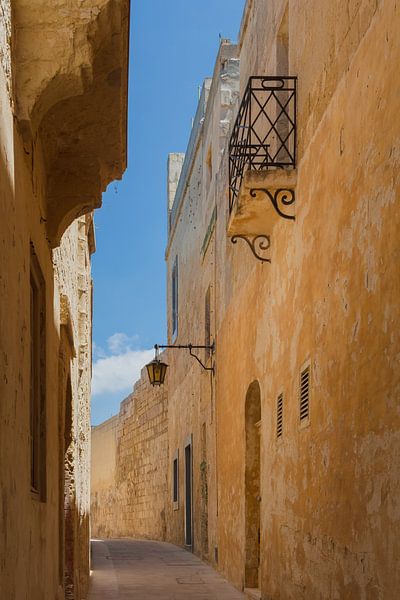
128	569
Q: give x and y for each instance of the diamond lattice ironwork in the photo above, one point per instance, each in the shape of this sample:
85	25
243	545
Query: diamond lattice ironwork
264	134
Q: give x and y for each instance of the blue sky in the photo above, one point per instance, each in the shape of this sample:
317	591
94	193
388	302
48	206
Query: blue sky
173	48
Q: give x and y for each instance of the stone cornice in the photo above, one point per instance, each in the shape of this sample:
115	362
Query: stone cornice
70	60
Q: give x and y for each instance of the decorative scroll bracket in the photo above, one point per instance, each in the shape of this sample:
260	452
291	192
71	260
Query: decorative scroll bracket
280	198
258	244
190	347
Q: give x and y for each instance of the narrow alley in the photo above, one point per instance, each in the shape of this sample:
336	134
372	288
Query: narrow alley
126	569
199	300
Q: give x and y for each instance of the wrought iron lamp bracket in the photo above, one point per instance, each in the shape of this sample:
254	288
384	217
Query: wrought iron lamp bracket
258	244
279	199
190	347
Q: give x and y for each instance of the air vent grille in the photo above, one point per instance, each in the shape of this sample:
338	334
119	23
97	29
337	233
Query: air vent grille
305	394
279	416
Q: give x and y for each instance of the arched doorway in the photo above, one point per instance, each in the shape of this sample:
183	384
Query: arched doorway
252	485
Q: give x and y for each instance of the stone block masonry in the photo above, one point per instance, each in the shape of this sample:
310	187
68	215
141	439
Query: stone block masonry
58	91
285	463
129	467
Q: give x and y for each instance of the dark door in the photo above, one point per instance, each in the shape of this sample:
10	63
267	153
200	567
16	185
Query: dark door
188	495
252	485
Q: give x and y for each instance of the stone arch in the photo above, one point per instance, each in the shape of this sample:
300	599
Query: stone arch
252	484
70	90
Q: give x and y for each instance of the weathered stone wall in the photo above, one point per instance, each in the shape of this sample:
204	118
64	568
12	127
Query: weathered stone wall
32	547
5	42
175	162
329	502
44	553
329	492
191	246
323	498
29	528
103	501
129	467
74	303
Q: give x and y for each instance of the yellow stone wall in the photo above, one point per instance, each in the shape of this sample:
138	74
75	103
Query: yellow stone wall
29	528
73	302
30	542
102	478
129	467
191	398
329	492
44	543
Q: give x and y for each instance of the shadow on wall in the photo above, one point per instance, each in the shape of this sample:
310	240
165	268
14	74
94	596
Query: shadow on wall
45	531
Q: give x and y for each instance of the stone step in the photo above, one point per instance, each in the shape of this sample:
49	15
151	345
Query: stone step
252	593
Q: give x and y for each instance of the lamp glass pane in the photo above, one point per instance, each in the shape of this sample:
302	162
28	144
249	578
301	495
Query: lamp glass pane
156	371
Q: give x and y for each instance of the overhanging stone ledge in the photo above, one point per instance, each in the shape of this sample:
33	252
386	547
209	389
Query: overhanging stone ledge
70	61
265	198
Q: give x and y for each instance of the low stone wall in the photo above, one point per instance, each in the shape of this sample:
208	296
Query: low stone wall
129	467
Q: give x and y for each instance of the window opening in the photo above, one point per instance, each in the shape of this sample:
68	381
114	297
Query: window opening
175	480
305	395
208	168
207	322
282	70
37	380
279	416
175	298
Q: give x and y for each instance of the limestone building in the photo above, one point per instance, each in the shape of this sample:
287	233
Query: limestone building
191	293
63	93
289	454
283	247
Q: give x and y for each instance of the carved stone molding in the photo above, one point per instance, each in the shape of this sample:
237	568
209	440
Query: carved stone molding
70	86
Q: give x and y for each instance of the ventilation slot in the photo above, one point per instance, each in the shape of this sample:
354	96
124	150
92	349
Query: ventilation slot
305	394
279	416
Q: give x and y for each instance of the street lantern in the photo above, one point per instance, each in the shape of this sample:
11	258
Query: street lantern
156	370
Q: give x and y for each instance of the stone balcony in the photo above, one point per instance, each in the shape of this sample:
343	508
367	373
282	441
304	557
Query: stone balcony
262	162
70	66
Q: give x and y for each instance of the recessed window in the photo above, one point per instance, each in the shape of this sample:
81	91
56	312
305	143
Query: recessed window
37	380
208	168
174	299
175	480
282	46
282	70
279	416
305	395
207	322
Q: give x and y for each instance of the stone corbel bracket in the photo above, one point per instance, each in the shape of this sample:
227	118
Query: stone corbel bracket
265	198
70	65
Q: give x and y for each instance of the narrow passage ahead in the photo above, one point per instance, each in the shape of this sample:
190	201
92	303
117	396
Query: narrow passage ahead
143	570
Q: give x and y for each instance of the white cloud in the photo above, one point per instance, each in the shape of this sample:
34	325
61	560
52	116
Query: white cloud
120	342
119	372
98	351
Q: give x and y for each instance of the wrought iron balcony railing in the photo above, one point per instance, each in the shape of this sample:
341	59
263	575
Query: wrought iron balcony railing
264	134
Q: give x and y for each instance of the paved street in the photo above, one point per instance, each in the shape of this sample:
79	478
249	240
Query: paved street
128	569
